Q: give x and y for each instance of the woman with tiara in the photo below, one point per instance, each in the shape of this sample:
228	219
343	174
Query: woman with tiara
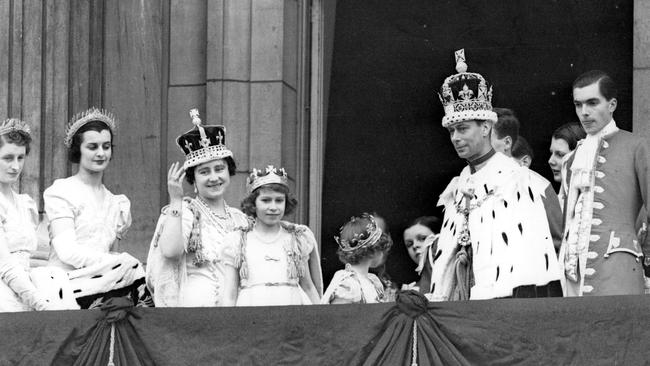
268	261
18	239
184	267
87	221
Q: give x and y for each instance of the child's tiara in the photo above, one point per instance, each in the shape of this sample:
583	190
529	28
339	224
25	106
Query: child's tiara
270	175
368	237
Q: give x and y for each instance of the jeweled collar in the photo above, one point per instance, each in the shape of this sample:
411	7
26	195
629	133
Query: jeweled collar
480	160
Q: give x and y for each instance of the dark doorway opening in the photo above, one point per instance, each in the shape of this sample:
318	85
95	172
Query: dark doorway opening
386	149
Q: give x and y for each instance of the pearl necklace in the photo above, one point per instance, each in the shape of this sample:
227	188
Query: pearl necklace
225	223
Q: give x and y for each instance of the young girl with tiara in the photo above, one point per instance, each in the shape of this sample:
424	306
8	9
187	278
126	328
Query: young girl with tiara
269	259
362	245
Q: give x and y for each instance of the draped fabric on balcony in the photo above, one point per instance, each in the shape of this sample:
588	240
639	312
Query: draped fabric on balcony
111	339
577	331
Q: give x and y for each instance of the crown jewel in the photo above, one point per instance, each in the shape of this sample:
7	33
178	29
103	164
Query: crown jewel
270	175
368	237
466	95
14	124
202	143
81	119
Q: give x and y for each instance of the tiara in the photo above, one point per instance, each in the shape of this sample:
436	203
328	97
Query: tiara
81	119
367	238
14	124
270	175
202	143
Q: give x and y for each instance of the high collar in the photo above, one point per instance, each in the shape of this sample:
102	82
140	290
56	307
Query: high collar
585	154
609	129
480	160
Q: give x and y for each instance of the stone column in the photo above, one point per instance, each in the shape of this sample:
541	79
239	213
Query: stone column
252	83
641	75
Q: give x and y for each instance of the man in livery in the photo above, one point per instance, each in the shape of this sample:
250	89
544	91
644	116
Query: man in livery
606	181
495	239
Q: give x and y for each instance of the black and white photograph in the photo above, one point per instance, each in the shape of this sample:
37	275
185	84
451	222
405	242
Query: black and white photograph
324	182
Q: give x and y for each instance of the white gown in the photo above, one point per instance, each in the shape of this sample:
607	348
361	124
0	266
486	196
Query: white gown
184	282
270	268
348	286
86	255
18	223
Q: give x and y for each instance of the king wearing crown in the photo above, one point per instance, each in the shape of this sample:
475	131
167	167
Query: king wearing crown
495	240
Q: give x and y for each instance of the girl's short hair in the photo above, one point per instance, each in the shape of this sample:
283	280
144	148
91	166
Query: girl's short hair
232	169
248	204
74	153
353	230
20	138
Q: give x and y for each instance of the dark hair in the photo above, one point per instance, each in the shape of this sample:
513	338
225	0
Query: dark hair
432	222
380	270
357	227
571	132
606	85
232	169
478	122
522	148
507	124
20	138
248	204
378	217
74	153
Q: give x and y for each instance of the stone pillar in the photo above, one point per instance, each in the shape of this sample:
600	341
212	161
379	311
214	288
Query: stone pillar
252	84
641	75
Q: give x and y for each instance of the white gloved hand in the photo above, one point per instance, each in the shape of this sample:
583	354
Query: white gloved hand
18	280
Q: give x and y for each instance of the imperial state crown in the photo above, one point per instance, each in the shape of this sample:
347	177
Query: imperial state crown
466	96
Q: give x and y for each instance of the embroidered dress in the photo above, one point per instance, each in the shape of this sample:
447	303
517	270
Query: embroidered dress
84	253
196	279
270	268
348	286
18	223
607	183
495	235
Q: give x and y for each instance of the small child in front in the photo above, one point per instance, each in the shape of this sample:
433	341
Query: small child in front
362	245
